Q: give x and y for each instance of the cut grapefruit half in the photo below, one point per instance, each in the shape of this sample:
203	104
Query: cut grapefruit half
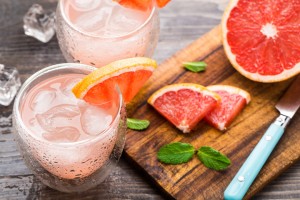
142	4
184	104
261	38
233	100
129	74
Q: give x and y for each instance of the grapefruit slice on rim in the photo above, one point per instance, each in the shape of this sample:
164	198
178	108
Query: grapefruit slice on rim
233	100
130	75
142	4
261	38
184	104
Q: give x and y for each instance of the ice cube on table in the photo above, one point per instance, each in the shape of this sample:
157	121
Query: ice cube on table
9	84
39	23
94	120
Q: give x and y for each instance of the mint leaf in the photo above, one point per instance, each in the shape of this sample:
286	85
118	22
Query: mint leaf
212	158
137	124
175	153
195	66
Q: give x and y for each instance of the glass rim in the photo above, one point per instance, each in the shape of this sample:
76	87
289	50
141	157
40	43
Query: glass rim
27	83
147	21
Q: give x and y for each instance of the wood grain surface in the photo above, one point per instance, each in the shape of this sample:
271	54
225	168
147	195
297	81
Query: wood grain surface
192	179
182	22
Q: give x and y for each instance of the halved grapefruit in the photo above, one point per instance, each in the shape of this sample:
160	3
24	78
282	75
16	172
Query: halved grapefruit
142	4
233	100
184	104
129	74
261	38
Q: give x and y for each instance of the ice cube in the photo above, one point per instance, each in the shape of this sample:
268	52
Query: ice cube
42	101
93	21
57	117
85	5
123	21
9	84
39	23
67	85
94	120
62	134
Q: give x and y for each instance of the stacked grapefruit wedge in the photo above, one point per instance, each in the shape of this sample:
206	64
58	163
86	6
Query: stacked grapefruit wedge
186	104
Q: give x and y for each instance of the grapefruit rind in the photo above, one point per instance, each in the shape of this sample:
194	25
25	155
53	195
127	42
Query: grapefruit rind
232	58
112	70
179	86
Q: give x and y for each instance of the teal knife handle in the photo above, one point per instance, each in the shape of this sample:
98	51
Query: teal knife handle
247	173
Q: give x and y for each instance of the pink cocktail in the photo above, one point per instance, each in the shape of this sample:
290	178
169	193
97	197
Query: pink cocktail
98	32
69	144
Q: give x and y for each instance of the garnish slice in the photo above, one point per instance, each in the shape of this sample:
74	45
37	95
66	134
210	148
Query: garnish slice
233	100
175	153
212	158
129	74
184	104
137	124
142	4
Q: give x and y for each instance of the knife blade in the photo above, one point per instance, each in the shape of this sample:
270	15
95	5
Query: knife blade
287	106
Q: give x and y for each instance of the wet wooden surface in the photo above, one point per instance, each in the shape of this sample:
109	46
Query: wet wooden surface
182	21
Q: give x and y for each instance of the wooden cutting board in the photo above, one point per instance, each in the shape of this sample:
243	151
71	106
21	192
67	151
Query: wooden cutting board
192	180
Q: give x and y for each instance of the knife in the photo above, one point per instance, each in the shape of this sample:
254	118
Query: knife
287	106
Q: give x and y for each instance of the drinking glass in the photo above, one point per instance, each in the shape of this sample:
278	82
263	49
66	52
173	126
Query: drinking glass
104	41
69	166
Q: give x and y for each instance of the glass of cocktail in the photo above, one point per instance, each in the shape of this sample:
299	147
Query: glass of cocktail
69	144
97	32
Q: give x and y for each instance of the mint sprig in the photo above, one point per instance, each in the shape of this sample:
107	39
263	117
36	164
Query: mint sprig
212	158
176	153
137	124
195	66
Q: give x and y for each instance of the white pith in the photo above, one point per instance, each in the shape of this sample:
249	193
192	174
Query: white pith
269	30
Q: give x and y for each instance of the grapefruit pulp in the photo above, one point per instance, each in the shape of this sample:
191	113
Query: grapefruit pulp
261	38
184	104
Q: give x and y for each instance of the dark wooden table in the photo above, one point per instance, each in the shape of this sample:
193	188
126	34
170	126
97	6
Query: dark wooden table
182	21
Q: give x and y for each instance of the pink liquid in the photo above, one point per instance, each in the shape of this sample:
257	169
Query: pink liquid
104	18
98	32
71	138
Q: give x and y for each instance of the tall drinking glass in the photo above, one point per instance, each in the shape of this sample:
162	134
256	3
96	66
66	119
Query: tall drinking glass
69	145
98	32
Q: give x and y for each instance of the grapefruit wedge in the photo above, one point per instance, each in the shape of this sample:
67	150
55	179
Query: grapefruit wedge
129	74
261	38
184	104
233	100
142	4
